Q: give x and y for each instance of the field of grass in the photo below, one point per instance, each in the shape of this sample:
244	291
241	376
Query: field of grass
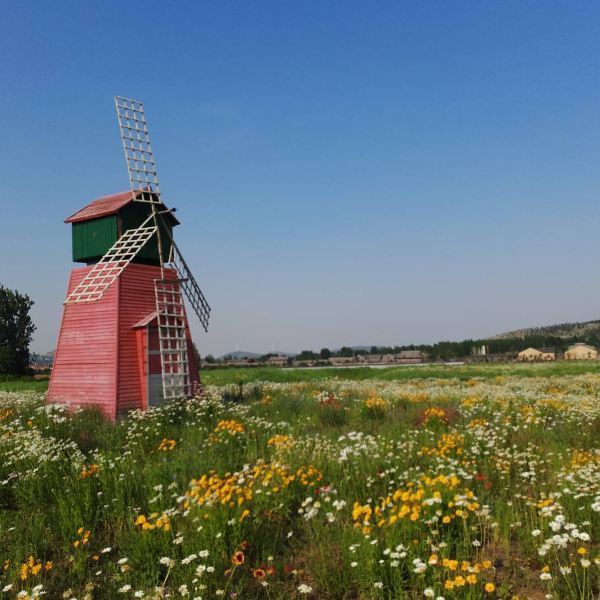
19	384
401	483
221	376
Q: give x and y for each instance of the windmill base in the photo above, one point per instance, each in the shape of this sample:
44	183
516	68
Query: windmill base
107	353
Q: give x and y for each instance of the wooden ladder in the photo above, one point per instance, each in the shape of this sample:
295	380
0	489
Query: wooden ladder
172	335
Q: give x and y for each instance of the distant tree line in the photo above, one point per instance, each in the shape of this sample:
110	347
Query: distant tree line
446	350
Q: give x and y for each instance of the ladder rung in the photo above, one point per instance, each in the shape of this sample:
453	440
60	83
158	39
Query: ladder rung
176	362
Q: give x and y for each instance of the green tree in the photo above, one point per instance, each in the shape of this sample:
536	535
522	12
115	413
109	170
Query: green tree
325	353
16	331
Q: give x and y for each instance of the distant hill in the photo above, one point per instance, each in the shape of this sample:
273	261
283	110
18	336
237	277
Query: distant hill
563	330
239	354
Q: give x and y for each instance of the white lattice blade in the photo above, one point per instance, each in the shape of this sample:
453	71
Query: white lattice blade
141	166
189	285
111	265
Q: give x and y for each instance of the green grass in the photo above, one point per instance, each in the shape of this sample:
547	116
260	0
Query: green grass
222	376
22	384
236	375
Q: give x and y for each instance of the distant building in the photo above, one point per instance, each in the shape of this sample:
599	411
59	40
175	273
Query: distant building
373	359
277	361
405	357
548	353
491	357
342	361
535	354
581	352
411	356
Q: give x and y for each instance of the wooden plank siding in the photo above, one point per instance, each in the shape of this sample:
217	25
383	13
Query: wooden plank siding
85	364
98	358
92	239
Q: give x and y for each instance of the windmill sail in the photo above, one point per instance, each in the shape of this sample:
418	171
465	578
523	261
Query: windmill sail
141	166
189	285
173	323
112	264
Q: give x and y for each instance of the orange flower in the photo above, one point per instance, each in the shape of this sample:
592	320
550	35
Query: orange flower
167	445
89	471
238	558
259	574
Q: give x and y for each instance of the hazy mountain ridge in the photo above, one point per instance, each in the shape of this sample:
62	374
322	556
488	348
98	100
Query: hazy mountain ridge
238	355
562	330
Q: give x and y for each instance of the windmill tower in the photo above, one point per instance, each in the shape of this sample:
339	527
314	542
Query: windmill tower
125	341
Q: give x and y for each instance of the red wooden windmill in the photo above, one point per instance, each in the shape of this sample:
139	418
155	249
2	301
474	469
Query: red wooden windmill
124	341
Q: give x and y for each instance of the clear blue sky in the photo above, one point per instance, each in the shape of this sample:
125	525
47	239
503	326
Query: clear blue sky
345	172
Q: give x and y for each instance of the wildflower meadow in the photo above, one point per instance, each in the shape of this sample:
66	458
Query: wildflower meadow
431	487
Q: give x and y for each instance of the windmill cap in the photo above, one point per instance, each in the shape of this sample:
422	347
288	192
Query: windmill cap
107	205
